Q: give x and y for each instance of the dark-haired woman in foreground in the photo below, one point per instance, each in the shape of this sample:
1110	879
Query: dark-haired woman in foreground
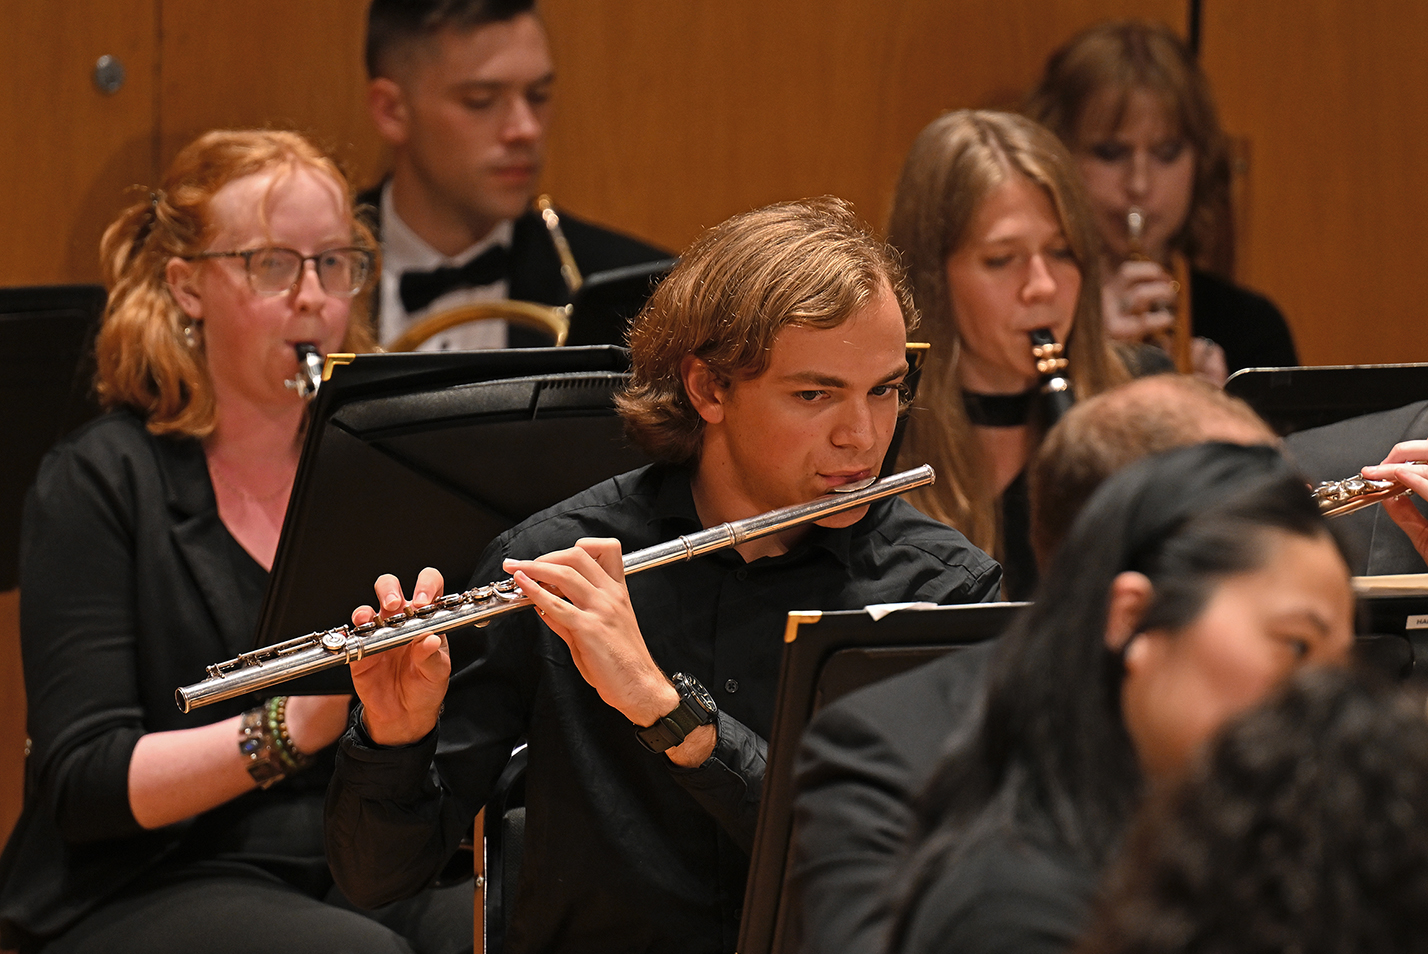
1191	585
1305	829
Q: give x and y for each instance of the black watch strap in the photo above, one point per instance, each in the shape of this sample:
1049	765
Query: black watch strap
696	707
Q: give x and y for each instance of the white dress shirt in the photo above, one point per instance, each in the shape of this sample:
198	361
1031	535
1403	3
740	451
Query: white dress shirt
403	251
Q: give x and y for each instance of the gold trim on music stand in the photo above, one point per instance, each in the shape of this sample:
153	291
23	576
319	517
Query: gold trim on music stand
333	360
797	618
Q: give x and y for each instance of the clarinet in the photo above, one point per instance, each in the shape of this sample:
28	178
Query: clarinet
309	374
1057	395
330	648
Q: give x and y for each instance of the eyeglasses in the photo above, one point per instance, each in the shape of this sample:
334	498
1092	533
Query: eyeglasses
342	272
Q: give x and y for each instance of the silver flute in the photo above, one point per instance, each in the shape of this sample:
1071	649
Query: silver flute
1338	497
330	648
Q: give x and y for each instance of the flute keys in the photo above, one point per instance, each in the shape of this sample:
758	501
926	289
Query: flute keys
1338	497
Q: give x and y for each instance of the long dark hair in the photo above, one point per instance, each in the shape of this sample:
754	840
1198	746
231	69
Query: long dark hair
1051	742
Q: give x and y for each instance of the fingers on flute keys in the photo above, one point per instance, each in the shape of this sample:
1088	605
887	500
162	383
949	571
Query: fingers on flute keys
402	690
582	595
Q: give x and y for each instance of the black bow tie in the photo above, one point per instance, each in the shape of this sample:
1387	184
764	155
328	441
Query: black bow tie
419	289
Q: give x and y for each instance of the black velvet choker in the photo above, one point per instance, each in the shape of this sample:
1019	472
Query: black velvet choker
999	410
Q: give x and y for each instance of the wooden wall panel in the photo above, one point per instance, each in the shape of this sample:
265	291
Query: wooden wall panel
1332	99
268	62
669	117
68	151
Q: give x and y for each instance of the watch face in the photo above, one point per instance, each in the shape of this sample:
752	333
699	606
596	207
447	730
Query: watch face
694	690
701	695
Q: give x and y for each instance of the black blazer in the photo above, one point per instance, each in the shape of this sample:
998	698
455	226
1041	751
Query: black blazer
132	585
862	762
1375	545
534	272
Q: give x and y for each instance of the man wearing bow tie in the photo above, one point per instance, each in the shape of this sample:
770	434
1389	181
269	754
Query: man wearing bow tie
460	90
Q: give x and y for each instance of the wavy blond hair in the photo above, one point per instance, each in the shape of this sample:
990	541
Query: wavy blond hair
953	166
809	262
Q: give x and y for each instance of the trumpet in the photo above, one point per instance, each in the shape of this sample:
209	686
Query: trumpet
309	374
1135	228
330	648
1338	497
1176	341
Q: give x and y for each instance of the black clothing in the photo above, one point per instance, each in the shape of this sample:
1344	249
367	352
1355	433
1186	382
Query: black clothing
1000	410
1018	559
1020	573
132	585
1246	325
227	908
623	849
533	266
1373	544
862	762
1005	893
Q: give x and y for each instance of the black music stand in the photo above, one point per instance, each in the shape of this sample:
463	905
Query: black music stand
601	311
46	366
1295	399
827	656
421	459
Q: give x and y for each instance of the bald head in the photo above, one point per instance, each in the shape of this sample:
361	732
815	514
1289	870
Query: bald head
1101	435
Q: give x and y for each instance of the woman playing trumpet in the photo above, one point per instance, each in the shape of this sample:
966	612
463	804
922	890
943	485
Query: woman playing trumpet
1130	102
998	241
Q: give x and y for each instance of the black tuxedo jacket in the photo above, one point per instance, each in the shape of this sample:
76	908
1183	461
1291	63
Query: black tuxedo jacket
863	761
1374	544
534	273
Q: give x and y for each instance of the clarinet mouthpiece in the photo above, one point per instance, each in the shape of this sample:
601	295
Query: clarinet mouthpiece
309	374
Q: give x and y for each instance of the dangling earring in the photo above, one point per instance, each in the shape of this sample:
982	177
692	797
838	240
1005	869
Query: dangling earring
190	337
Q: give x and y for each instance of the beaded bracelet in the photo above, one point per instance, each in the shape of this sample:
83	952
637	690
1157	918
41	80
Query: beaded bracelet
264	741
288	755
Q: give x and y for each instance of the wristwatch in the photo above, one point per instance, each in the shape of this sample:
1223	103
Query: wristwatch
696	707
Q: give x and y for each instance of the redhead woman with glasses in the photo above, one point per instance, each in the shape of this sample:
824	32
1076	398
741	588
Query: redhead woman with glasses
146	546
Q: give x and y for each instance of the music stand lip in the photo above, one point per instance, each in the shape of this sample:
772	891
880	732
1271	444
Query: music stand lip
812	638
1298	398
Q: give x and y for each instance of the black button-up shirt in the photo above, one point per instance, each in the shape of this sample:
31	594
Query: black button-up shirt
623	849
